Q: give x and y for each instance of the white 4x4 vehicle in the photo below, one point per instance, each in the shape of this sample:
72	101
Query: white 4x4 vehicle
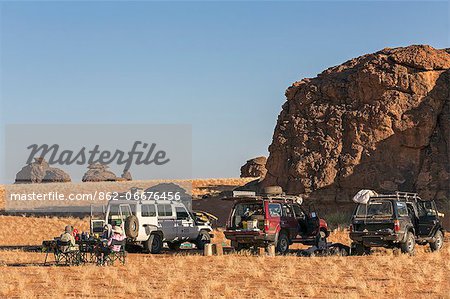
151	223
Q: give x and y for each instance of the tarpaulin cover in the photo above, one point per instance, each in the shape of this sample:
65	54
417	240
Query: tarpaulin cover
363	196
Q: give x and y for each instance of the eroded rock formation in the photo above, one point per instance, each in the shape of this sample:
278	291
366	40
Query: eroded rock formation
380	121
255	167
126	175
39	171
98	173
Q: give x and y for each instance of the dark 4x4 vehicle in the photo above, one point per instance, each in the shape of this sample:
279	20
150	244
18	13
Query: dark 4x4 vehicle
397	220
273	219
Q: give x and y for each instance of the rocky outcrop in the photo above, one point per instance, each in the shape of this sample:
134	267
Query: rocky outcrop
255	167
39	171
98	173
126	175
380	121
55	175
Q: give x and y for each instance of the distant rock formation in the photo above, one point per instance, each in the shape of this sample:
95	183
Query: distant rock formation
380	121
99	173
255	167
39	171
55	175
126	175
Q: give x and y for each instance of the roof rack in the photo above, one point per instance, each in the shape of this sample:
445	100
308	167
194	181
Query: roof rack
251	195
400	195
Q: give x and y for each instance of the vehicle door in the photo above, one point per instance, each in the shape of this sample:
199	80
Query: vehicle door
404	215
97	225
428	218
167	220
288	220
272	217
118	213
148	220
312	222
413	214
300	216
186	228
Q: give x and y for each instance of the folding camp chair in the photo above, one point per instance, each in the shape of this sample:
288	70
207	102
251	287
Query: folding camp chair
67	254
111	256
87	254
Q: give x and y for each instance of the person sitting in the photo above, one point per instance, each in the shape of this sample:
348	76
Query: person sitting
105	250
118	236
67	237
107	231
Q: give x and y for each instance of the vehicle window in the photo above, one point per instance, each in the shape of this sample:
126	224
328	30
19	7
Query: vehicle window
421	210
298	211
164	210
181	213
275	209
287	211
148	210
429	207
401	208
411	210
375	208
361	210
113	210
125	210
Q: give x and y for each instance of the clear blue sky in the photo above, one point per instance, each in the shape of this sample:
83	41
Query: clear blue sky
221	66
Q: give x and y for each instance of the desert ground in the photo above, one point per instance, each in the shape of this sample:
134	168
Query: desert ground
188	274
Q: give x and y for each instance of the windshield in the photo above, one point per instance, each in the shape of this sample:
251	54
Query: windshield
375	209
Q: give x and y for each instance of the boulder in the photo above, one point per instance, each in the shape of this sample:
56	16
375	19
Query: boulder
380	121
39	171
98	173
55	175
255	167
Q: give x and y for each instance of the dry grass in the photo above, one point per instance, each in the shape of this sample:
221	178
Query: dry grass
231	276
190	275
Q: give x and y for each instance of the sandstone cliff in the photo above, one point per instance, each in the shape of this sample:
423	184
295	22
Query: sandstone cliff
380	121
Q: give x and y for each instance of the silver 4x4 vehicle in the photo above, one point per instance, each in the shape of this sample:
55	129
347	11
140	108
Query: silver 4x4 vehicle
151	223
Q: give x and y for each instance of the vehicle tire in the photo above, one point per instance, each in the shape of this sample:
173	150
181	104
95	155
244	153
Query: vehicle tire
174	245
131	226
321	239
409	245
282	245
439	241
154	244
274	190
360	249
202	239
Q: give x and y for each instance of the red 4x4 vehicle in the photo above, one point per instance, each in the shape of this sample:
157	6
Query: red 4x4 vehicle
272	219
